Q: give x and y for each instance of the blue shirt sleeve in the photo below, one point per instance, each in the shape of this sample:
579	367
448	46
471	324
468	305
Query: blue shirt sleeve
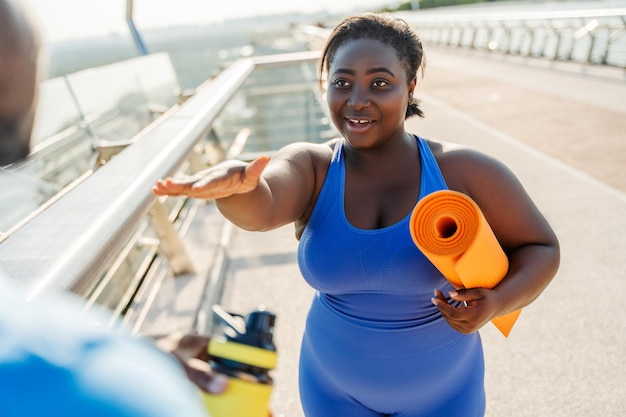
56	362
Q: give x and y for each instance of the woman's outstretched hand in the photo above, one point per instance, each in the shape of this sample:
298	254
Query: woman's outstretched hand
222	180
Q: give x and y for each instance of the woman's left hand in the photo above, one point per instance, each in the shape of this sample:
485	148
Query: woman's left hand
478	307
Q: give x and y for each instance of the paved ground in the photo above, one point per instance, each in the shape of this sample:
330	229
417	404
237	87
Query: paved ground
577	118
564	135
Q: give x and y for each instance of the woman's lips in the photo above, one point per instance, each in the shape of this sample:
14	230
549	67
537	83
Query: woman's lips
359	125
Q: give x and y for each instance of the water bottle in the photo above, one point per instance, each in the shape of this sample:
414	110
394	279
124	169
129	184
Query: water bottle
245	352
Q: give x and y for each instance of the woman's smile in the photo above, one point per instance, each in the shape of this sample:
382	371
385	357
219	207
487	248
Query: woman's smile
356	125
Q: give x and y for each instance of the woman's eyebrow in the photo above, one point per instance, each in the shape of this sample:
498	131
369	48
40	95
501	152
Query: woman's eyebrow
380	69
369	71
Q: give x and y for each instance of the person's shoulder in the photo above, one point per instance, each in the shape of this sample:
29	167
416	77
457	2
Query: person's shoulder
326	149
316	152
444	149
461	165
449	152
323	147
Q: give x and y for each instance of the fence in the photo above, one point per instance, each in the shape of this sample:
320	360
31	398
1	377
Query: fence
594	37
110	241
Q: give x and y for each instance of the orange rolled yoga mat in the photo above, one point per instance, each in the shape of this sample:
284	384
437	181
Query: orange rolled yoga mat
449	228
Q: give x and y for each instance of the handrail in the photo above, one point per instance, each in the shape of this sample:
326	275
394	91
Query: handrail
487	15
75	239
587	36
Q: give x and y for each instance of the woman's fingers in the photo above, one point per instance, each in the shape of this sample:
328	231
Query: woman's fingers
223	180
257	166
171	187
467	317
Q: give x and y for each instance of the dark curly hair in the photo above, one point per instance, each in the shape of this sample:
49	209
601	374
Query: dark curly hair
390	30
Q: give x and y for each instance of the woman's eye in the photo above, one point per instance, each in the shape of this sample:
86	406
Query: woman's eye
341	83
380	83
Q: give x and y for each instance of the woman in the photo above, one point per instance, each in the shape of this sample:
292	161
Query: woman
377	341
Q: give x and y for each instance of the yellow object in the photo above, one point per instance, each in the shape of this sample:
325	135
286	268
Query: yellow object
451	231
245	396
239	352
241	399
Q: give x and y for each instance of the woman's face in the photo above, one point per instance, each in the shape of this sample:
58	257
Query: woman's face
368	92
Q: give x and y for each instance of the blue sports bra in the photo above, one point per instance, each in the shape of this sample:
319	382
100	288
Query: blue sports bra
376	274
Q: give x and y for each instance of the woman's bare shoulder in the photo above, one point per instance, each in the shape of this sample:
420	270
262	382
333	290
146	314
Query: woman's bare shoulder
446	149
463	166
318	154
448	152
295	148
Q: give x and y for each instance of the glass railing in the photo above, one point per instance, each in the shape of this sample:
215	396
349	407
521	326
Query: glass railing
109	239
78	116
279	105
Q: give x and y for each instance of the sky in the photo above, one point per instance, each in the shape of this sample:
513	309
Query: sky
66	19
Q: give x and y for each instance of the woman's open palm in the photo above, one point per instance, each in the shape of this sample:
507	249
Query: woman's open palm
220	181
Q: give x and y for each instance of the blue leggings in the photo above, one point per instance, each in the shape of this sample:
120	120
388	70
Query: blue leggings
353	368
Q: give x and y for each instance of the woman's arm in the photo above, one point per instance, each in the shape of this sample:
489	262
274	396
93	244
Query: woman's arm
523	232
260	195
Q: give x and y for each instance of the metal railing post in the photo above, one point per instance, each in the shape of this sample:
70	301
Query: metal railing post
130	7
170	244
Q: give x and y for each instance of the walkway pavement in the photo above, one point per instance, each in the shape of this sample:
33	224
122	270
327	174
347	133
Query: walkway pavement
564	135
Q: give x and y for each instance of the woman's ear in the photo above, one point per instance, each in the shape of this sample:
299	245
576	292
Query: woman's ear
412	86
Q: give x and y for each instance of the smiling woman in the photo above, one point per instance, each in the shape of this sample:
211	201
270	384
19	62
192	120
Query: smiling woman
377	342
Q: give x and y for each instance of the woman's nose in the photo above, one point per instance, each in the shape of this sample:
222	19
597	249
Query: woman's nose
359	98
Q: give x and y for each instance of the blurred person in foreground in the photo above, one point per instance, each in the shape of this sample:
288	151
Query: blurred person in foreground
54	360
19	65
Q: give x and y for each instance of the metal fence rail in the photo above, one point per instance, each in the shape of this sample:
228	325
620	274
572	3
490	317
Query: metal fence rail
70	245
80	119
596	36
